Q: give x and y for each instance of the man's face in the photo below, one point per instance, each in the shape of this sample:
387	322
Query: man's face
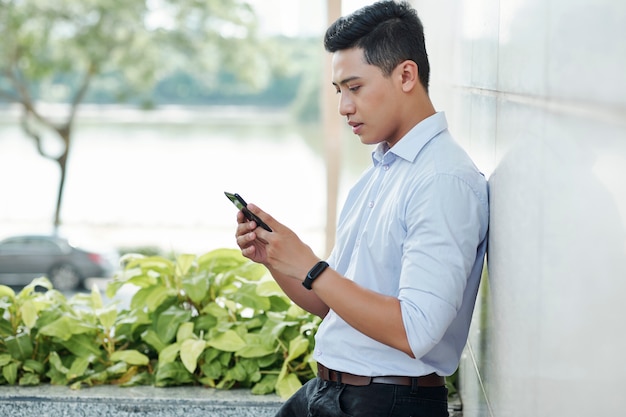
369	100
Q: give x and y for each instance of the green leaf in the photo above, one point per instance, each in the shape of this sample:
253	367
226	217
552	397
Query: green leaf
215	310
229	341
196	286
7	292
37	282
117	369
273	328
173	373
190	350
253	371
5	358
82	345
57	372
212	370
185	331
184	263
221	260
79	366
107	316
169	353
266	385
151	297
268	288
248	297
156	263
65	327
251	271
9	372
256	346
56	363
96	298
28	311
34	366
295	311
167	323
20	346
151	338
205	322
29	379
288	385
5	327
279	304
131	357
237	373
266	361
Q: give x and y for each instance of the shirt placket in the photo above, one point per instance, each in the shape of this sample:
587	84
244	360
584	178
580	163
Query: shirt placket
373	194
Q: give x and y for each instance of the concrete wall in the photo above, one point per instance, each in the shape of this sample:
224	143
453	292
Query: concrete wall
536	91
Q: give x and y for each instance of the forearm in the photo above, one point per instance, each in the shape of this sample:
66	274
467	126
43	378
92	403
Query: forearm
375	315
304	298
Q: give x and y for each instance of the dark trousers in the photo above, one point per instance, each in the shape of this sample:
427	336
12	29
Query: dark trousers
319	398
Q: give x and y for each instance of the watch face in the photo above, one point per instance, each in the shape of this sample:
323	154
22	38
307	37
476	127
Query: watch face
314	273
318	269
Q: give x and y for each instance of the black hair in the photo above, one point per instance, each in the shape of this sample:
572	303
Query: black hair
389	32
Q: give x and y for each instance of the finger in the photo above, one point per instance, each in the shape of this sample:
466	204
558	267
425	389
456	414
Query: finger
245	239
249	251
269	220
245	227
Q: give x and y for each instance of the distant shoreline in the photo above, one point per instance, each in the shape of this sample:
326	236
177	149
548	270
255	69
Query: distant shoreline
165	114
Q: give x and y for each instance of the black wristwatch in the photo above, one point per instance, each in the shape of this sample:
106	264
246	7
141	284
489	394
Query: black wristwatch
314	273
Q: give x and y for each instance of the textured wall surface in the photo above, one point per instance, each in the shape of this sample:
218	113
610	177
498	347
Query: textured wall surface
536	91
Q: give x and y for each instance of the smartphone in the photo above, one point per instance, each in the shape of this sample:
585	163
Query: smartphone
241	204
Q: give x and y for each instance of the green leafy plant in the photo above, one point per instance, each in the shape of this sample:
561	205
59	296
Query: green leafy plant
216	320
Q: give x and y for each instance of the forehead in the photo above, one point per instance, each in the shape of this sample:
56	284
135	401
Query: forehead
350	64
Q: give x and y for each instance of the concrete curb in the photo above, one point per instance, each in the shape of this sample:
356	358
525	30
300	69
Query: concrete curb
107	400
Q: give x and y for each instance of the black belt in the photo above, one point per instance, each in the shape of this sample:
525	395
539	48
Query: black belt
431	380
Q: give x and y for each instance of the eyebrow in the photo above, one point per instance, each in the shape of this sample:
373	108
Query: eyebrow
346	80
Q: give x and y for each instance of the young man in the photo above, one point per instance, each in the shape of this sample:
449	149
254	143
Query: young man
398	291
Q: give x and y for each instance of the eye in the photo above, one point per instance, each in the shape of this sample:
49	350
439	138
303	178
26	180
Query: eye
354	89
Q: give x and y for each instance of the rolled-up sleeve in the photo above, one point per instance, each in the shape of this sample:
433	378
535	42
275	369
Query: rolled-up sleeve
444	223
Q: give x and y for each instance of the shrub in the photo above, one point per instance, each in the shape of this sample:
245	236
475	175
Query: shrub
216	320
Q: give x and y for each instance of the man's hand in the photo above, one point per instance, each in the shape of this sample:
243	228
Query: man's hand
280	250
251	247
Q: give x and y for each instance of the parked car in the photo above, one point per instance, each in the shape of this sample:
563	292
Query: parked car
23	258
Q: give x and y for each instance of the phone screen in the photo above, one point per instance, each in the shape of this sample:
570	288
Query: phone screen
241	204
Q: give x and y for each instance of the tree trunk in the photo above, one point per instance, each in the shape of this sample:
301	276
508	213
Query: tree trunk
65	134
62	161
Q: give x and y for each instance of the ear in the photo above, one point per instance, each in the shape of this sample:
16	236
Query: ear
409	74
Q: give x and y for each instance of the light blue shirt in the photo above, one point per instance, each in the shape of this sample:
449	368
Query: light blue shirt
414	227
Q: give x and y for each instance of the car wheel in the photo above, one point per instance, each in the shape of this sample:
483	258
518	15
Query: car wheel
64	277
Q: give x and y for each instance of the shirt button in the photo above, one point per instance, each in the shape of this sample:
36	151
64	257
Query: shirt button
386	167
371	204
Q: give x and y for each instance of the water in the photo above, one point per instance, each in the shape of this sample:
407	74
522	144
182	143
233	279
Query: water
158	178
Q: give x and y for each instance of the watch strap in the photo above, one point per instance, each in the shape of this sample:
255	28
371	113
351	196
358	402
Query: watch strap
315	272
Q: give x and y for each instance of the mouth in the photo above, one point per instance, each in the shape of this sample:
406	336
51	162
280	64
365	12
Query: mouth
356	127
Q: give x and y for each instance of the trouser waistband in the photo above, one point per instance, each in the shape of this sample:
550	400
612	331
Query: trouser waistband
431	380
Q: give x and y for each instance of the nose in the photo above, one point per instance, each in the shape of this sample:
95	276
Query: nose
346	106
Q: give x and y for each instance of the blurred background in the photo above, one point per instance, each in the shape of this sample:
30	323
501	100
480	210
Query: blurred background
146	112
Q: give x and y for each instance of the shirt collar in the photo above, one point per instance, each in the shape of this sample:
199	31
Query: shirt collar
410	145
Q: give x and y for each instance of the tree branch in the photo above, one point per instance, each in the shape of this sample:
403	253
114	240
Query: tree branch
34	135
25	100
80	94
